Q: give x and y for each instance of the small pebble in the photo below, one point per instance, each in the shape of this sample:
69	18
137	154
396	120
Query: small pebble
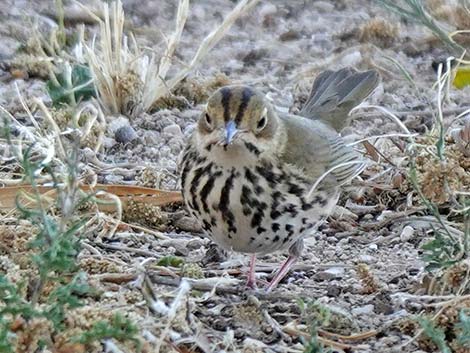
407	233
333	290
173	129
385	214
116	122
324	6
125	134
373	247
329	274
267	10
352	59
363	310
366	259
151	137
194	244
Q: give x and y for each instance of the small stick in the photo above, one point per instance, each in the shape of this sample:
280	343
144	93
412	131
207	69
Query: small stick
294	332
356	337
158	235
127	249
117	278
404	114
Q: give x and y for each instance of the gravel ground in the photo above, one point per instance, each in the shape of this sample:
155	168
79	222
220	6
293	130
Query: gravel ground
361	264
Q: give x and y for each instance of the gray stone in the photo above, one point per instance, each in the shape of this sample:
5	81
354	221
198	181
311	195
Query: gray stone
115	123
407	233
363	310
333	290
267	10
329	274
173	129
125	134
151	137
368	259
324	6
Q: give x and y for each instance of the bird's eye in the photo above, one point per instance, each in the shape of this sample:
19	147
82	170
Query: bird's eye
208	119
261	123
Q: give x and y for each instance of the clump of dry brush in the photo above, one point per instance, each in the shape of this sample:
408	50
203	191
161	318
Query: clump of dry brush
130	80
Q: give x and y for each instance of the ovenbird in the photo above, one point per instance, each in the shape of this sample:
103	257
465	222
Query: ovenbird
247	170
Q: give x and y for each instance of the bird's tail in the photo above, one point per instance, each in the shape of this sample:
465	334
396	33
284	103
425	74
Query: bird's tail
335	93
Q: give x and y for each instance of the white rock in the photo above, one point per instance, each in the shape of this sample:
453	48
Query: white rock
323	6
373	247
114	179
366	259
116	122
385	214
336	271
407	233
363	310
328	275
173	129
267	10
352	59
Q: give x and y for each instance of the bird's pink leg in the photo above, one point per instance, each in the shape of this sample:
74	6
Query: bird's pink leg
251	282
282	272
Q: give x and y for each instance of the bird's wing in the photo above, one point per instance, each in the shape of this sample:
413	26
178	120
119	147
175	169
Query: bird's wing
316	148
335	93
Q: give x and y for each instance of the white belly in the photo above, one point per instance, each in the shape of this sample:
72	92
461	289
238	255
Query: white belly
255	209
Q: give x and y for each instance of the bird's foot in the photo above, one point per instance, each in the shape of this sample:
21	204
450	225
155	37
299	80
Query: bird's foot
281	273
251	283
251	280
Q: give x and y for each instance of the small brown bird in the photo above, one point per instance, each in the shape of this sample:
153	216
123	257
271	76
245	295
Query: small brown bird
247	171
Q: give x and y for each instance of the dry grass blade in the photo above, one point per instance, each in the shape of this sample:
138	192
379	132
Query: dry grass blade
109	64
371	151
213	38
294	331
154	83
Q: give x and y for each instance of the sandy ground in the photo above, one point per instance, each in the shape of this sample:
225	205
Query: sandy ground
279	48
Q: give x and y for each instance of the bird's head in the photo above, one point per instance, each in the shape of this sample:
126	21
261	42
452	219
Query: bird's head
237	118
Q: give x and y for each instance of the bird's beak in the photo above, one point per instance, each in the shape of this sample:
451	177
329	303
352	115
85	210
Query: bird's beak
230	132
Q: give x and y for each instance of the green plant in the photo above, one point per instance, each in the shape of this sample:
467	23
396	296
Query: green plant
436	334
170	260
119	328
463	328
314	315
72	85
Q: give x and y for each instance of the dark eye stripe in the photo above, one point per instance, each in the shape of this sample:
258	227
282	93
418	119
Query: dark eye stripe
247	93
226	94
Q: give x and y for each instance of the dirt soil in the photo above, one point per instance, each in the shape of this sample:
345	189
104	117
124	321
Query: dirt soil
360	264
